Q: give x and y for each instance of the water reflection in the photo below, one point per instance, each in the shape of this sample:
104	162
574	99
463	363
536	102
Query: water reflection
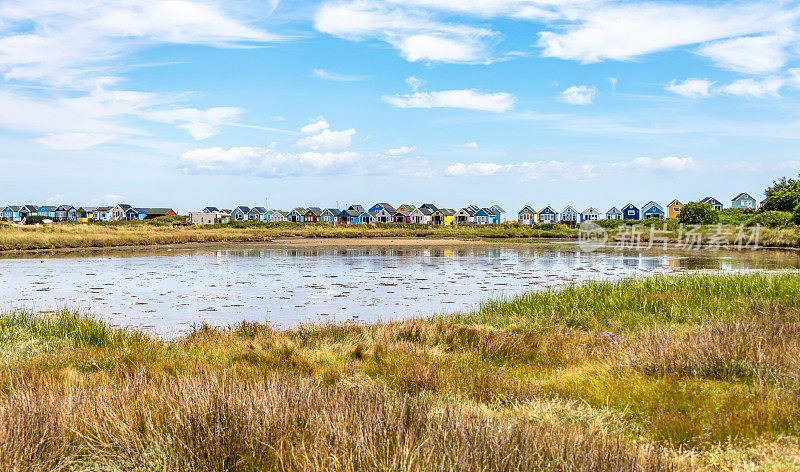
170	289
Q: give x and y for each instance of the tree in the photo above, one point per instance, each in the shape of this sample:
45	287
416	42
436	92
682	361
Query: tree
796	215
697	213
783	195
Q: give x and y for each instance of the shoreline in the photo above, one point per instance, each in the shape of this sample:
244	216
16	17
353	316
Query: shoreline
397	241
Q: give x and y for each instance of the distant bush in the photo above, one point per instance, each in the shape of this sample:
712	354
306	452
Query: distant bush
783	195
610	224
771	219
697	213
36	219
796	215
735	216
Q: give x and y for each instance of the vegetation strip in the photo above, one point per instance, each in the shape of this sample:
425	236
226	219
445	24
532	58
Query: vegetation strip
695	372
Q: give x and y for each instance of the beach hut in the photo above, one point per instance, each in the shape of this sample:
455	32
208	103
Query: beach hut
442	216
449	215
590	214
630	212
498	210
10	213
208	217
210	209
406	208
653	210
527	215
312	215
117	212
465	216
383	215
483	216
423	216
400	217
257	214
547	215
743	201
47	211
614	214
296	215
240	213
367	217
70	213
674	209
715	204
329	215
86	214
102	213
569	216
360	209
27	210
382	206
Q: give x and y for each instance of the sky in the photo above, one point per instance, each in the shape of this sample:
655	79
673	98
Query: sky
186	103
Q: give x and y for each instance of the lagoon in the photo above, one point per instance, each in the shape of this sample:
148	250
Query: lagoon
168	290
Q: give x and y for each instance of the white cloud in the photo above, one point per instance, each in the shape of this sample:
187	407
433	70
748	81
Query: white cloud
626	31
262	161
327	139
72	141
316	126
412	32
613	81
579	95
554	170
328	75
768	87
470	145
200	124
401	151
498	102
749	54
694	88
415	83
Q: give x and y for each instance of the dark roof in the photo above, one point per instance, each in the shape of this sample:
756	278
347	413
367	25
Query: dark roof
243	208
498	207
743	194
357	208
335	211
32	208
469	210
431	206
388	207
124	206
211	209
141	210
258	210
711	200
425	210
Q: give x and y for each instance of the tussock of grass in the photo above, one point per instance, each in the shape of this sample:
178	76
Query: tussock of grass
663	373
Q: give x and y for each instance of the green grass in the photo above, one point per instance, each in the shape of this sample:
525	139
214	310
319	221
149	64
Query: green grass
694	372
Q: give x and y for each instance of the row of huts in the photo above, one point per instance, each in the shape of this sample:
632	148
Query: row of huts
570	216
427	213
119	212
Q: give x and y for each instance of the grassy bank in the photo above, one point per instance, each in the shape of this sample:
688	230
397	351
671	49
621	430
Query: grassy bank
678	373
160	232
156	232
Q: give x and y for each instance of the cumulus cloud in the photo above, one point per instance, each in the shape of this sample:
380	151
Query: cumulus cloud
693	88
327	140
498	102
315	127
414	83
768	87
579	95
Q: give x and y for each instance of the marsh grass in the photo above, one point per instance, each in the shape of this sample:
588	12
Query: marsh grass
663	373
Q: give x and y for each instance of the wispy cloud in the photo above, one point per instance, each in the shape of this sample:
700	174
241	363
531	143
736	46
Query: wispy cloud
335	76
579	95
693	88
497	102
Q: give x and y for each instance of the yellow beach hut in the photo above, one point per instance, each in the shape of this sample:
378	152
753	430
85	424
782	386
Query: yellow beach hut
674	209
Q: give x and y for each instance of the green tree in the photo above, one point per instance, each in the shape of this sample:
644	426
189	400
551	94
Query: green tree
697	213
796	215
783	195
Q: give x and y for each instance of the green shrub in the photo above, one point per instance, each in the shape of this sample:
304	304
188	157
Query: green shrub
36	219
783	195
697	213
610	224
771	219
735	216
796	215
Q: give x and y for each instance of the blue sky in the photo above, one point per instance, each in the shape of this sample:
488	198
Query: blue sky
584	102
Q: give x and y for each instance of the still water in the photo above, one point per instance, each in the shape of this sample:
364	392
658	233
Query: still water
166	291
